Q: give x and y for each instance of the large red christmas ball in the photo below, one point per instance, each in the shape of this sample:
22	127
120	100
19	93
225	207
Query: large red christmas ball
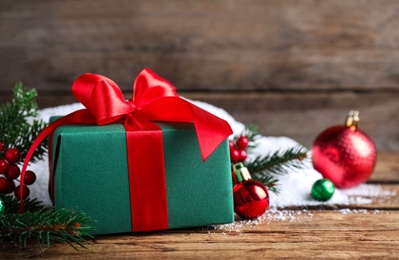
344	154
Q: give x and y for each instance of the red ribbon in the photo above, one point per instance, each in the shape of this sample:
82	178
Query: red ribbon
154	100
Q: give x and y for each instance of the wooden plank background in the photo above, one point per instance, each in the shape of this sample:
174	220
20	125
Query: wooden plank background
292	67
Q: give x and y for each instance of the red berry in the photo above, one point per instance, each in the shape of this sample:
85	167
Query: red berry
3	184
242	142
3	166
25	192
1	146
243	155
231	145
13	172
12	155
30	178
6	186
10	186
235	155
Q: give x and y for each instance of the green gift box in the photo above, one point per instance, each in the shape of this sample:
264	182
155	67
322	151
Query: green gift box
90	173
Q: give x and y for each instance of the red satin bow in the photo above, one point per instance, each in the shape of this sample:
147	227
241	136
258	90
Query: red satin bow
155	99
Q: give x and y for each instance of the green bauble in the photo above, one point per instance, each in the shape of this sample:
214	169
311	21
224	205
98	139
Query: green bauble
323	190
2	208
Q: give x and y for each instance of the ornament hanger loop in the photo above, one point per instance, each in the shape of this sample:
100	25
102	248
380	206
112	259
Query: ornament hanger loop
352	119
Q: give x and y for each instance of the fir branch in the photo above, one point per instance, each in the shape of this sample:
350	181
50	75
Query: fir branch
277	162
11	204
269	181
18	128
45	226
263	168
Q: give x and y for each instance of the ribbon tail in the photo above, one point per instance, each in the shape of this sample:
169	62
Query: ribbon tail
211	130
79	116
209	139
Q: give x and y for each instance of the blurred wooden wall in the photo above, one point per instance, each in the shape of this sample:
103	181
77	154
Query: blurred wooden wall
292	67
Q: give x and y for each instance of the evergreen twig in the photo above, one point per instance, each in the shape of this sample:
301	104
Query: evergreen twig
269	181
18	128
45	226
277	162
11	204
263	167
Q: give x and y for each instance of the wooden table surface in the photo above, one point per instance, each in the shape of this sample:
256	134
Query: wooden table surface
339	231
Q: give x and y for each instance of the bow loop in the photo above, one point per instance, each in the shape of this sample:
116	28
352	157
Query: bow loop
102	97
149	87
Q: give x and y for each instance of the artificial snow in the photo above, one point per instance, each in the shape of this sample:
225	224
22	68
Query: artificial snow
294	187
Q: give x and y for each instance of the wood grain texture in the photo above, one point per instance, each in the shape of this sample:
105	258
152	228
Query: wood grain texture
318	234
292	67
387	169
204	45
346	231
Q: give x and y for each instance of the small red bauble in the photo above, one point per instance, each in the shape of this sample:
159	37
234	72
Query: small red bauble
251	198
30	177
344	154
12	155
25	192
13	172
3	166
1	146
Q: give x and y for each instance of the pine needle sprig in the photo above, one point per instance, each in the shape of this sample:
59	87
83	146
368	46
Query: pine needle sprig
265	167
269	181
18	128
45	226
278	162
11	204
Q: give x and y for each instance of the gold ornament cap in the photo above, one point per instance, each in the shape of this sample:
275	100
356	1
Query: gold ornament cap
240	173
352	119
